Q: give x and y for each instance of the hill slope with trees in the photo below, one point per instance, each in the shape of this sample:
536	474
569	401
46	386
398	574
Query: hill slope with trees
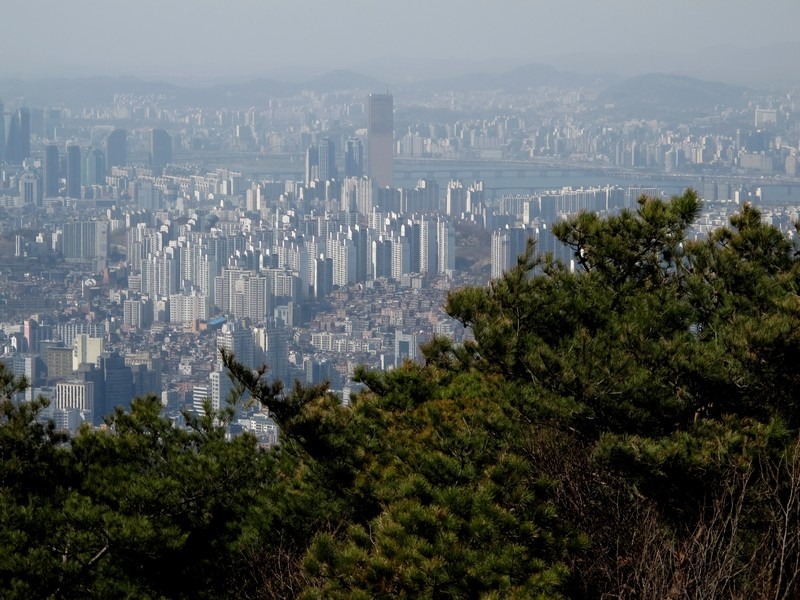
628	431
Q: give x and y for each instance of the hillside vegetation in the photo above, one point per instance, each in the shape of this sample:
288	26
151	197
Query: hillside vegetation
628	431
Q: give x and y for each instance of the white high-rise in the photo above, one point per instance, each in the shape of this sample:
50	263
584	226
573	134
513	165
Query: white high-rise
446	244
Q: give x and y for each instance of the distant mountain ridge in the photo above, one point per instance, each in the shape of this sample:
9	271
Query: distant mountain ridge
88	90
652	91
660	94
517	80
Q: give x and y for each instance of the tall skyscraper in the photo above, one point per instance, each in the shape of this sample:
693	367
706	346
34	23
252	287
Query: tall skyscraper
160	148
116	149
18	144
2	132
51	170
312	164
380	139
353	158
73	171
94	172
24	143
33	334
51	123
327	160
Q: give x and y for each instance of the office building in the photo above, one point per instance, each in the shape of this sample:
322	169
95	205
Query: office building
73	171
353	158
405	347
94	167
30	189
312	165
57	360
118	382
145	381
160	148
326	155
380	139
117	149
32	332
86	350
76	395
51	171
2	132
18	144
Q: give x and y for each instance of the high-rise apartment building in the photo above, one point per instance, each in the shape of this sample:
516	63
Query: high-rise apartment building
273	343
238	340
85	240
380	139
507	246
446	246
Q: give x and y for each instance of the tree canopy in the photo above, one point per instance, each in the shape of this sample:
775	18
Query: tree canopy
629	430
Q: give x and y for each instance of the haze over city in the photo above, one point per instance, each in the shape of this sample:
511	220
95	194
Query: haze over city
304	299
740	41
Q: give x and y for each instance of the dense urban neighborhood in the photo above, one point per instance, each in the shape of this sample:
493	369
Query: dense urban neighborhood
315	230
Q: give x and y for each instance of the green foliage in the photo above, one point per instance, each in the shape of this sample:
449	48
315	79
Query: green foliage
461	512
628	431
141	509
668	365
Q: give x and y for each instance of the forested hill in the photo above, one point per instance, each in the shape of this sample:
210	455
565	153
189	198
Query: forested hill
628	431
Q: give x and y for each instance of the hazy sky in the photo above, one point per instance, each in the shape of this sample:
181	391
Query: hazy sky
198	38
